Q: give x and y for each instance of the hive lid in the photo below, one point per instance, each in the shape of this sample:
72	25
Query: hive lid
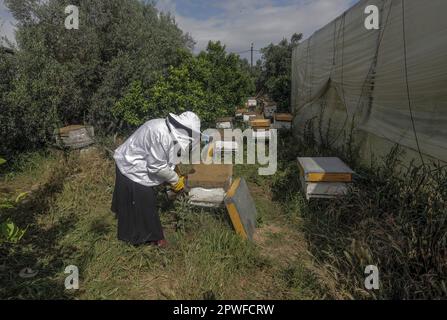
260	123
68	129
329	169
284	117
241	209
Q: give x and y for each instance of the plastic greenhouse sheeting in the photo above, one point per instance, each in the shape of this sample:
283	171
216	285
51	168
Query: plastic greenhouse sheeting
388	85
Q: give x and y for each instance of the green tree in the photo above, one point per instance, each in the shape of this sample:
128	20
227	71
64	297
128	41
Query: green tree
186	88
230	78
8	135
133	108
276	68
212	84
74	76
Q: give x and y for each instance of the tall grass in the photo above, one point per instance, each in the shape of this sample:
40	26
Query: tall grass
395	217
70	223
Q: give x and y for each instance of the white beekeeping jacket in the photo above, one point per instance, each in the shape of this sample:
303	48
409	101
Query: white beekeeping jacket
148	156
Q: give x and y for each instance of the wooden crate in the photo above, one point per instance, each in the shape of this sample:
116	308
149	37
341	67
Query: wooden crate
210	176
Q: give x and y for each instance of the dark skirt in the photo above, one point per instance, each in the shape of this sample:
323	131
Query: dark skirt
136	210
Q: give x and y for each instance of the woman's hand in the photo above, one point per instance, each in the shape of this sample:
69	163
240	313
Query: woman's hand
179	186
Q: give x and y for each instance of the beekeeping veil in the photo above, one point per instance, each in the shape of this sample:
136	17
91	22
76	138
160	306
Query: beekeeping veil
185	129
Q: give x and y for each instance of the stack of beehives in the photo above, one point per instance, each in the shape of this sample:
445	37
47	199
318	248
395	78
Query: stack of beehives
324	177
252	104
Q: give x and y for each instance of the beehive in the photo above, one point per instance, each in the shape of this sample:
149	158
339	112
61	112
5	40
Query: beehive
248	116
224	123
283	121
329	169
260	124
210	176
324	177
252	102
74	136
286	117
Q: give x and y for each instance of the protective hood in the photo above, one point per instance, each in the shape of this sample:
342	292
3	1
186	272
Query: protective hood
185	129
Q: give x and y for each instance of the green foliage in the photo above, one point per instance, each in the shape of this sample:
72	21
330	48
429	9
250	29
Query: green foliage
7	114
275	73
394	217
10	233
230	77
133	107
58	76
184	89
211	84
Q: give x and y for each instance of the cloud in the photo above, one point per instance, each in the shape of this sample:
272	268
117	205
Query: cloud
239	23
236	23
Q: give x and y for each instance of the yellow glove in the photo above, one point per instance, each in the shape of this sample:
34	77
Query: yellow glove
179	186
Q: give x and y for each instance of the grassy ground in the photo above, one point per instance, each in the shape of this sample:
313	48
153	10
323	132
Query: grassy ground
302	250
69	223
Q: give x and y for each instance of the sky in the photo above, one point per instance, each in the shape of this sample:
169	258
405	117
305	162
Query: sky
238	23
6	22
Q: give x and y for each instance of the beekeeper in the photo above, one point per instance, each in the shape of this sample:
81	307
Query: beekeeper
146	160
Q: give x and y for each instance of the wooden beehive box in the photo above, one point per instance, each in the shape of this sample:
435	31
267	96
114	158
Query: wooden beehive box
210	176
260	124
285	117
74	136
324	177
283	121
